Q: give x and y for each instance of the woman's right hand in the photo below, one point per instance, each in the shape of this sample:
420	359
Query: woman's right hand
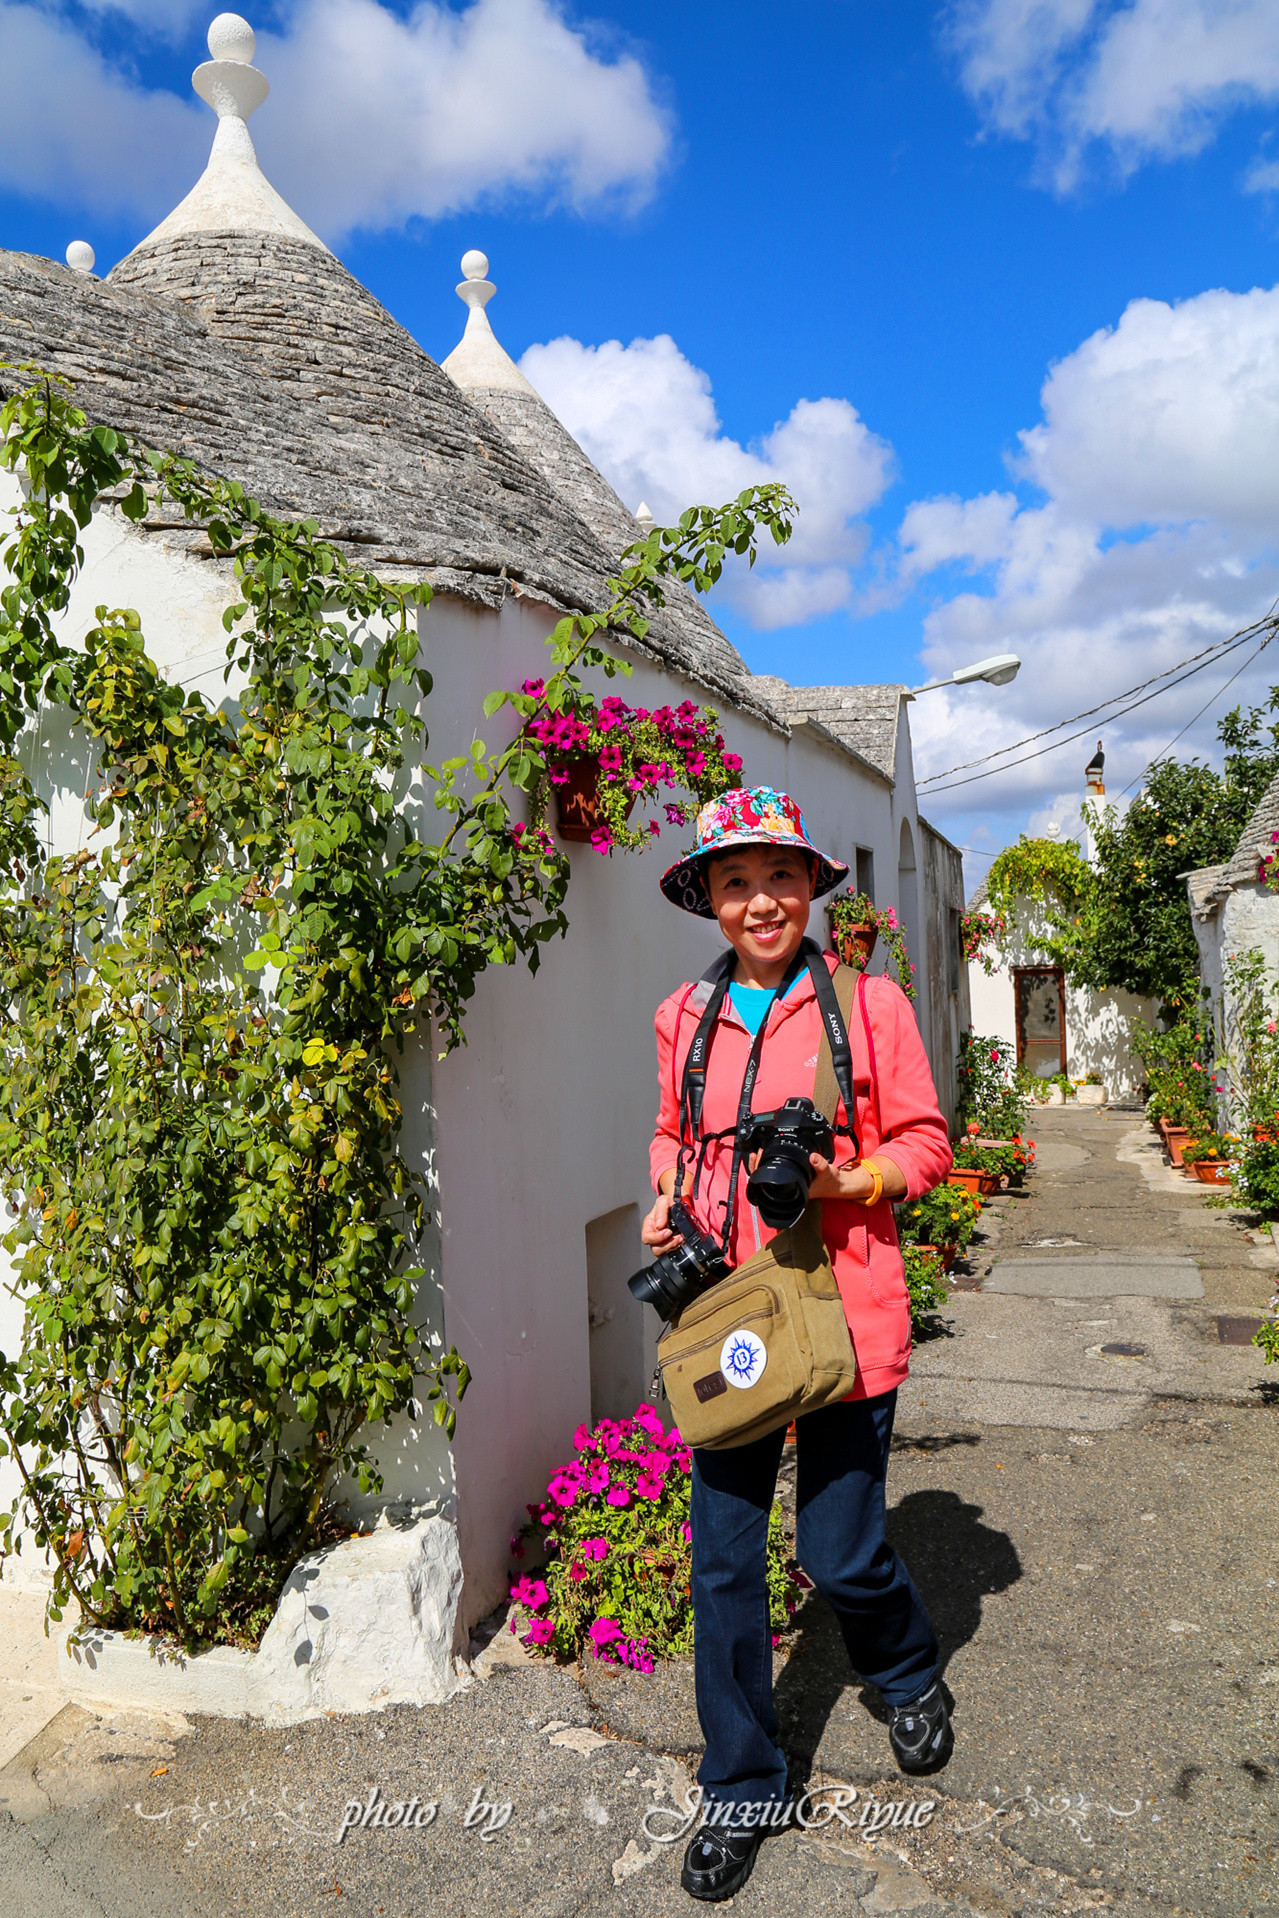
655	1231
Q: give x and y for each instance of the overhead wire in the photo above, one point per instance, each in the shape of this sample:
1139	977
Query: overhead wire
1220	649
1132	706
1199	715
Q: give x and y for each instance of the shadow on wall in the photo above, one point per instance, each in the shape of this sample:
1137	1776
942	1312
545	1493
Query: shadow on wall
1099	1027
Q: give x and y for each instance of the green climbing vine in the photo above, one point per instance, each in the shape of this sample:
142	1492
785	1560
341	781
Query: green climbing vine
218	1237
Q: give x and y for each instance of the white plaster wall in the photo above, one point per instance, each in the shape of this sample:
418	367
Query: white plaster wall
544	1117
1098	1024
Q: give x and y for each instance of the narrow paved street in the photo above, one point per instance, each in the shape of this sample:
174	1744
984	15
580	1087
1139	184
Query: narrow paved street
1083	1485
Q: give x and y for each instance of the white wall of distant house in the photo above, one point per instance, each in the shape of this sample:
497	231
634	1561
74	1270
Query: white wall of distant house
1098	1024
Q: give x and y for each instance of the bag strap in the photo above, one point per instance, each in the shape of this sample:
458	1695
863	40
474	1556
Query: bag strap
827	1090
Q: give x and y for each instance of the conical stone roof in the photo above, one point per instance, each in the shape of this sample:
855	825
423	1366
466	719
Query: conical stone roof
489	377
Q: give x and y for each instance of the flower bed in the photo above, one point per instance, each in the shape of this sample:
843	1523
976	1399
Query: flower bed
615	1526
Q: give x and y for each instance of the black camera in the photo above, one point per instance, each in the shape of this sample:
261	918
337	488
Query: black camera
779	1184
677	1277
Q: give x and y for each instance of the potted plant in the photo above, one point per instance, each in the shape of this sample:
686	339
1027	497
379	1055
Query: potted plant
602	759
1209	1157
1091	1091
856	923
977	1167
941	1222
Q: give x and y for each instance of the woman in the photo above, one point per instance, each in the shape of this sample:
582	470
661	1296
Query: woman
755	871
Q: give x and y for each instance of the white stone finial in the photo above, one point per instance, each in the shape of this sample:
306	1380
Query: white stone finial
232	87
80	256
232	38
643	516
478	364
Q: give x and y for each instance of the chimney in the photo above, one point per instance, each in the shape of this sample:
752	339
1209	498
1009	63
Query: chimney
1093	773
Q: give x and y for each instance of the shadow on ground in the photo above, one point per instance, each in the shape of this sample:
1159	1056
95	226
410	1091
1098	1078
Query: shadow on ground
955	1561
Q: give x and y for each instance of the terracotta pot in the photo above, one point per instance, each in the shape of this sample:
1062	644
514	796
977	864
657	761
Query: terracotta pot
576	802
859	939
983	1183
947	1254
1175	1137
1211	1171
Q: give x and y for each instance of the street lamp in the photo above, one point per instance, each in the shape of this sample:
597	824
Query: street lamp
999	670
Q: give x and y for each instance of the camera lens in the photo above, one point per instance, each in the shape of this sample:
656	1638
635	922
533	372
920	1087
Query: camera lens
779	1185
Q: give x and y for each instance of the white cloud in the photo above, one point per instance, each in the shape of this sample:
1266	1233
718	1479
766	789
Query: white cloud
373	119
166	19
1144	79
1262	177
1158	453
647	418
75	129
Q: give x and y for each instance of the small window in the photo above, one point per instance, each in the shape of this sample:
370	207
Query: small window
866	872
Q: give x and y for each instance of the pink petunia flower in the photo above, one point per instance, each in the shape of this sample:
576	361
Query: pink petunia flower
529	1592
603	1632
576	1573
617	1495
596	1548
540	1632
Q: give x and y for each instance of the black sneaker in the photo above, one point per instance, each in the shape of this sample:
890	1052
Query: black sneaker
718	1862
920	1734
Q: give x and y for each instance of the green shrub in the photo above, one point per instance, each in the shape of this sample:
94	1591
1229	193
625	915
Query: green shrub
926	1287
990	1094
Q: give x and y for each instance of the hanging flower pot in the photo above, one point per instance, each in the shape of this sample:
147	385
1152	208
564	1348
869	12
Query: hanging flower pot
855	925
856	944
577	807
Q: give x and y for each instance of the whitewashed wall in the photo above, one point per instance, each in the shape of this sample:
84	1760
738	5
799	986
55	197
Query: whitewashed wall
1246	920
1098	1024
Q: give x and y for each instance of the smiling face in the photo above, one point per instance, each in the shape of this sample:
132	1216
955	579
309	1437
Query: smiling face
761	896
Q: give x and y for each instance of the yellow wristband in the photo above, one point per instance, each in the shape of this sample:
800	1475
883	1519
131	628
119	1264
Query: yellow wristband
876	1194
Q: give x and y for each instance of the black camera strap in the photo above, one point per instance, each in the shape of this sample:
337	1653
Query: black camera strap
693	1091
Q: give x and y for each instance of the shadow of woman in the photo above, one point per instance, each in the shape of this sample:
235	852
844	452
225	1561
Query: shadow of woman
955	1561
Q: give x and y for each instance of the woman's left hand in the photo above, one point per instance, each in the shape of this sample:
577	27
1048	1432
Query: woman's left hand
853	1181
839	1182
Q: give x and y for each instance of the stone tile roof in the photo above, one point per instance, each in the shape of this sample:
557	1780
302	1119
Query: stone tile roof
265	360
525	419
1209	884
979	898
863	719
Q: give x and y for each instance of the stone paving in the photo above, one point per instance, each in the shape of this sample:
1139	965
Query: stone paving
1092	1530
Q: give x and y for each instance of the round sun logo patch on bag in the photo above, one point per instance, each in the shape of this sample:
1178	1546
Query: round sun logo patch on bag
743	1358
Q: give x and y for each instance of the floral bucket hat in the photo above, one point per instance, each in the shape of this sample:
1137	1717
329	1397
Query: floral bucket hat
747	816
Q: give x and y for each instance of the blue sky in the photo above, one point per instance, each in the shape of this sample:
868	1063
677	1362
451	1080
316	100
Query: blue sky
880	228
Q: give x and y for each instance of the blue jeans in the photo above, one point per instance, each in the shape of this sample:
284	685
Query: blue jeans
840	1471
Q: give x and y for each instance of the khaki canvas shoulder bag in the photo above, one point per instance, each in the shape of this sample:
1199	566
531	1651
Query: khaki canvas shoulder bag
769	1342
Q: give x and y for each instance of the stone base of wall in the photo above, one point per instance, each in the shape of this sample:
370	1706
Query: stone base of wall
368	1623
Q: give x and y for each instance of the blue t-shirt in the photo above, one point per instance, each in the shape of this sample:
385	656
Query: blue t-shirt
752	1002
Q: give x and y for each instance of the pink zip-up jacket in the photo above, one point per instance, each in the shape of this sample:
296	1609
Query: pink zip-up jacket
897	1118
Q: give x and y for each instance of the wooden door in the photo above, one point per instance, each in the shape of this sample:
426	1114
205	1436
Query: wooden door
1040	993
